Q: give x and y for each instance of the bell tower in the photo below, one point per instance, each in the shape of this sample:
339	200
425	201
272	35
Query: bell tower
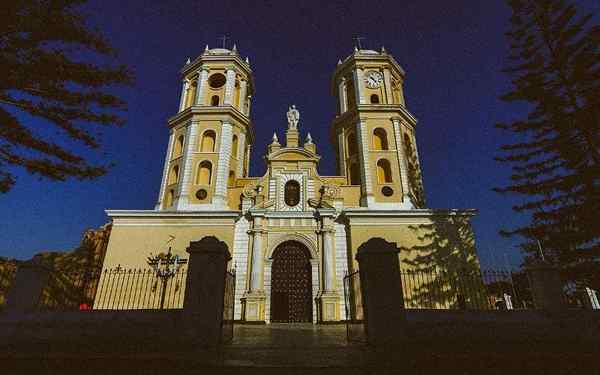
373	132
210	137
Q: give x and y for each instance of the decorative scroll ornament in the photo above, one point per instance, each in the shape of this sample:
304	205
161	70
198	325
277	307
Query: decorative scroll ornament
250	191
293	117
330	192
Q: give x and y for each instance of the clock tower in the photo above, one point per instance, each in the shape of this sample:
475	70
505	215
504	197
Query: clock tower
373	132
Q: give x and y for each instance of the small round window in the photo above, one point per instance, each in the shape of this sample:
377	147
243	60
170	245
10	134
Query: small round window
201	194
292	193
217	80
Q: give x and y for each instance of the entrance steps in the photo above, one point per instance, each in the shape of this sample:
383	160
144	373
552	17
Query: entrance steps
292	345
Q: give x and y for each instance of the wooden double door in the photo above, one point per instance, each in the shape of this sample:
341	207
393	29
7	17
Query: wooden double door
291	284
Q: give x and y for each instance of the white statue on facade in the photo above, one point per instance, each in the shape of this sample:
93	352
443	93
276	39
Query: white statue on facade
293	116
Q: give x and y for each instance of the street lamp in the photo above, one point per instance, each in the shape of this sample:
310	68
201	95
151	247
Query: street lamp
165	266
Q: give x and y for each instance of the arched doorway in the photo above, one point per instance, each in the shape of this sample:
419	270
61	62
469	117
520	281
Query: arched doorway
291	285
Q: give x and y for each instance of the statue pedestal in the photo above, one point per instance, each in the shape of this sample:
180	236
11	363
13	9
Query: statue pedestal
328	306
253	306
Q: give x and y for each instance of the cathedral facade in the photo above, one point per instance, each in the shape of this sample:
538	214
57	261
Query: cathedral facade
293	234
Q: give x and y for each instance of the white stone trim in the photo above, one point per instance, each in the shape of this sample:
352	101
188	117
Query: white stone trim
229	86
243	93
202	82
187	167
367	198
402	163
184	88
220	195
342	153
359	86
240	155
302	178
163	184
240	261
267	286
387	80
341	263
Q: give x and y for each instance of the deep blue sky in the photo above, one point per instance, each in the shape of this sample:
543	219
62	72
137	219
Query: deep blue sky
452	52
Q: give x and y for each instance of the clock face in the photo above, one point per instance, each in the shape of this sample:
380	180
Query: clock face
373	79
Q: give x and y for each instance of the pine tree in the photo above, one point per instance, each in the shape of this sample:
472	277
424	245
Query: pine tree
554	65
48	80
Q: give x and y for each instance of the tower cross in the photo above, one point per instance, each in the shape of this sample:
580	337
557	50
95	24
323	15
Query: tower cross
358	39
224	39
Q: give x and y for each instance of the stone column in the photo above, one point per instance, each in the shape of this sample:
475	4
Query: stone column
243	92
186	171
26	291
202	82
254	300
163	183
328	267
546	286
381	289
249	102
402	161
220	198
387	80
205	287
247	160
359	84
229	86
328	296
184	88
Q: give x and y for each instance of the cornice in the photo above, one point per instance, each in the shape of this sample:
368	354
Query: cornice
172	214
425	213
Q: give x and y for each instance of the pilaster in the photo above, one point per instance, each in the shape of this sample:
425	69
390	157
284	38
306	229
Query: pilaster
184	87
240	155
387	80
359	84
400	149
342	96
220	198
367	199
163	184
229	86
243	93
203	81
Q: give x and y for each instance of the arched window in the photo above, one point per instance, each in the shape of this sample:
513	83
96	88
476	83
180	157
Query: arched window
208	141
291	193
214	100
231	179
352	146
380	141
204	173
354	174
234	146
384	171
374	99
169	198
178	150
191	95
236	95
174	175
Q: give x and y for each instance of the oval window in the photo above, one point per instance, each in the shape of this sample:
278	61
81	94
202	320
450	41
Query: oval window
292	193
217	80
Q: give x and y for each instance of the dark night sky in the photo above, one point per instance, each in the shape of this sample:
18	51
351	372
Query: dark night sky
452	52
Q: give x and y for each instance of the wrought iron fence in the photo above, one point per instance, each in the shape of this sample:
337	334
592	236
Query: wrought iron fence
136	289
7	275
228	307
69	291
485	290
355	328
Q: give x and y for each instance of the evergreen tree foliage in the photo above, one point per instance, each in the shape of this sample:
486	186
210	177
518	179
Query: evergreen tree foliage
554	65
47	81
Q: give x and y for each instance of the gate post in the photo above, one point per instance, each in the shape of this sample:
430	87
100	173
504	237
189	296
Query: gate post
381	289
205	288
546	286
30	279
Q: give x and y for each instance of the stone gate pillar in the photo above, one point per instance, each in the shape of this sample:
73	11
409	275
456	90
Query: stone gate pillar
546	286
28	284
205	287
381	288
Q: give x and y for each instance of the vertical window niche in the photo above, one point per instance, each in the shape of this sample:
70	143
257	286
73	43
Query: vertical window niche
207	143
178	147
204	174
174	175
384	171
380	140
234	146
